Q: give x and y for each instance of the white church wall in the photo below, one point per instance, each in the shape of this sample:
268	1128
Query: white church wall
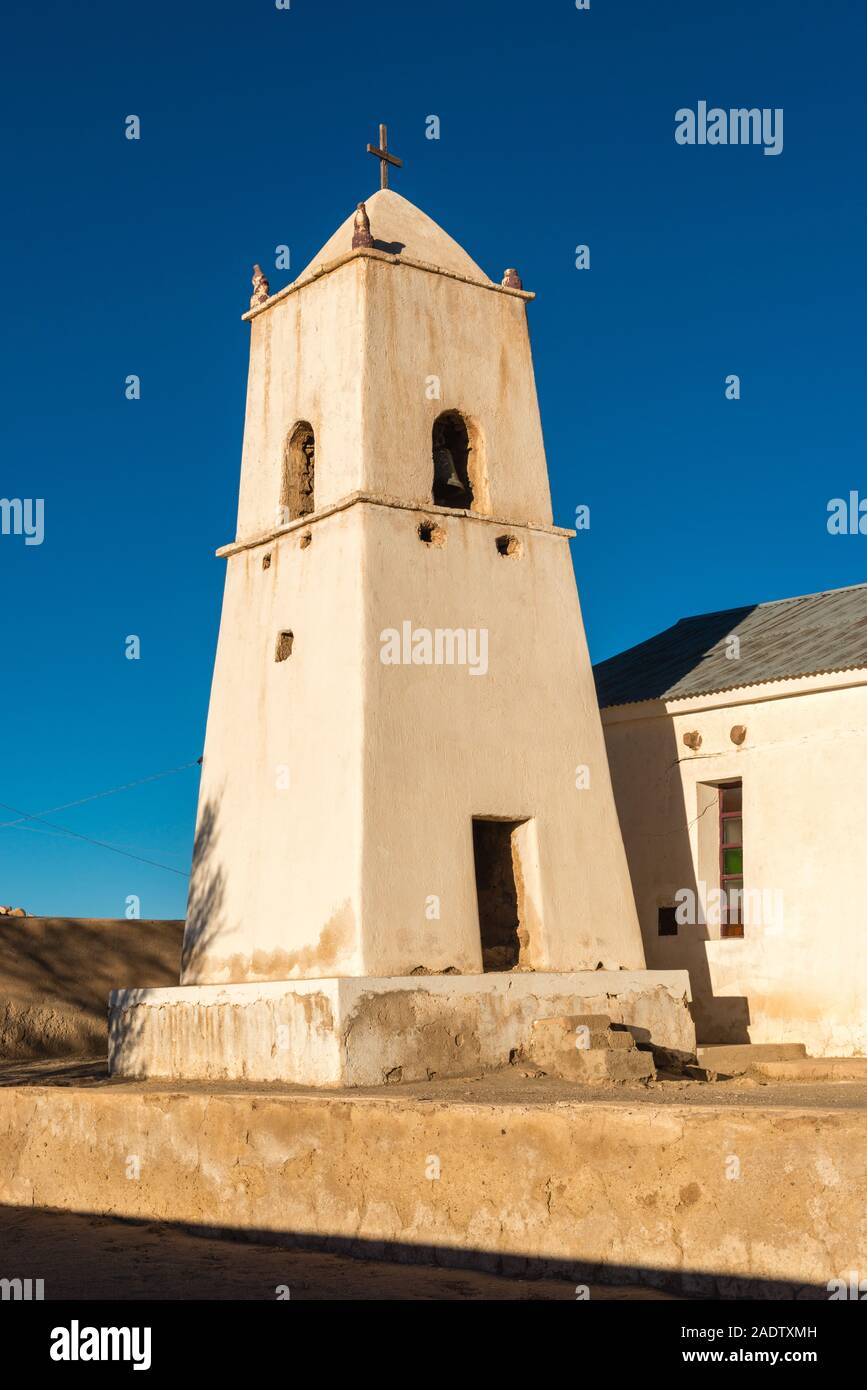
799	974
336	799
513	740
306	363
377	821
276	886
435	344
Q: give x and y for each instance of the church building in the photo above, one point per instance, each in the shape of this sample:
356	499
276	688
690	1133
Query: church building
738	750
407	849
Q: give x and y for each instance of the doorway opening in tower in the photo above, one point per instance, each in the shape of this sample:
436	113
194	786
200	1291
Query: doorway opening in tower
499	890
452	448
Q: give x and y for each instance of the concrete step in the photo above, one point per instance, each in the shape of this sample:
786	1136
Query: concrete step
732	1058
594	1029
597	1065
628	1066
584	1031
586	1049
813	1069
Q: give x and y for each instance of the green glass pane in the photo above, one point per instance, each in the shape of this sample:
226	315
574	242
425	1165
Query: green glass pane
733	831
732	798
733	861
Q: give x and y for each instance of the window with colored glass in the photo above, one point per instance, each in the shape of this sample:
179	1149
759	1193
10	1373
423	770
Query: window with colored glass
731	858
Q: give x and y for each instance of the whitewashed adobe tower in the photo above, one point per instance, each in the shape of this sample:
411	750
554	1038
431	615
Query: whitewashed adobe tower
402	691
338	793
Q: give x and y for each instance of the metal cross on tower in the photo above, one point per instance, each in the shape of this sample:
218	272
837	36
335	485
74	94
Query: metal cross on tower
384	157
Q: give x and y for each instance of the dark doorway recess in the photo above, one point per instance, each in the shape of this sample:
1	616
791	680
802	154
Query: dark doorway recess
497	893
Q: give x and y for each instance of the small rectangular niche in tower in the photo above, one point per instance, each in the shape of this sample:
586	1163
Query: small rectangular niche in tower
494	851
285	643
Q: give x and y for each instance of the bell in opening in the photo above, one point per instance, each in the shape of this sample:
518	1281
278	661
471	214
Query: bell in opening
451	457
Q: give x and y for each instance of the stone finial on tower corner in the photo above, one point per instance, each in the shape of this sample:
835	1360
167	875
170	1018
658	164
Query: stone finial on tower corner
261	289
512	280
361	235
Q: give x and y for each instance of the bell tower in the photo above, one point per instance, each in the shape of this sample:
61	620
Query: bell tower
405	792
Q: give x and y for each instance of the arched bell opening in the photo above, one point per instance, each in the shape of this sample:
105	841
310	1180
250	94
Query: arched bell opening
457	464
297	494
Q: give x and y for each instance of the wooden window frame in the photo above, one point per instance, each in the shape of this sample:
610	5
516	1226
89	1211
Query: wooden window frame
729	928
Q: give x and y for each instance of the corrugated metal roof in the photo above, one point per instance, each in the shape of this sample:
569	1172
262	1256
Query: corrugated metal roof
790	637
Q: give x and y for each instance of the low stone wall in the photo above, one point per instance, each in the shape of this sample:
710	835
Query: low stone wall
56	974
723	1199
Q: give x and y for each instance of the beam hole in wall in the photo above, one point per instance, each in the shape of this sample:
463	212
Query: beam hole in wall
266	561
306	539
498	892
285	642
508	545
431	533
297	492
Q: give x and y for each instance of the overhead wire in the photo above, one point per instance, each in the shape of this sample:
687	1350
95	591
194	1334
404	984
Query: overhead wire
24	818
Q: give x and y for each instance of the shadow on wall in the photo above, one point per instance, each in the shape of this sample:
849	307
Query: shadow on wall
205	905
391	248
204	919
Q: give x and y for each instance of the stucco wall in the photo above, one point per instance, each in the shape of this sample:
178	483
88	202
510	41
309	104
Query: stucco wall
306	363
799	975
338	793
476	343
594	1189
443	745
354	353
276	885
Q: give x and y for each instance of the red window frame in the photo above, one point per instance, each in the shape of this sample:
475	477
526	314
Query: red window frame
731	921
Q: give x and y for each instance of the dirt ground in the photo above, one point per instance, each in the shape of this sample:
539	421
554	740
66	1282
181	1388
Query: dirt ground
56	974
98	1257
509	1085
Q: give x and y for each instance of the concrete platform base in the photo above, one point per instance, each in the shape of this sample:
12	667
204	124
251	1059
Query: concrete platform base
366	1032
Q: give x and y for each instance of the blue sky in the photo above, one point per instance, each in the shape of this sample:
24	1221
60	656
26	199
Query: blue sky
557	128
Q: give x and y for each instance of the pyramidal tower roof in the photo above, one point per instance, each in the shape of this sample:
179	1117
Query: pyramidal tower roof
400	228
